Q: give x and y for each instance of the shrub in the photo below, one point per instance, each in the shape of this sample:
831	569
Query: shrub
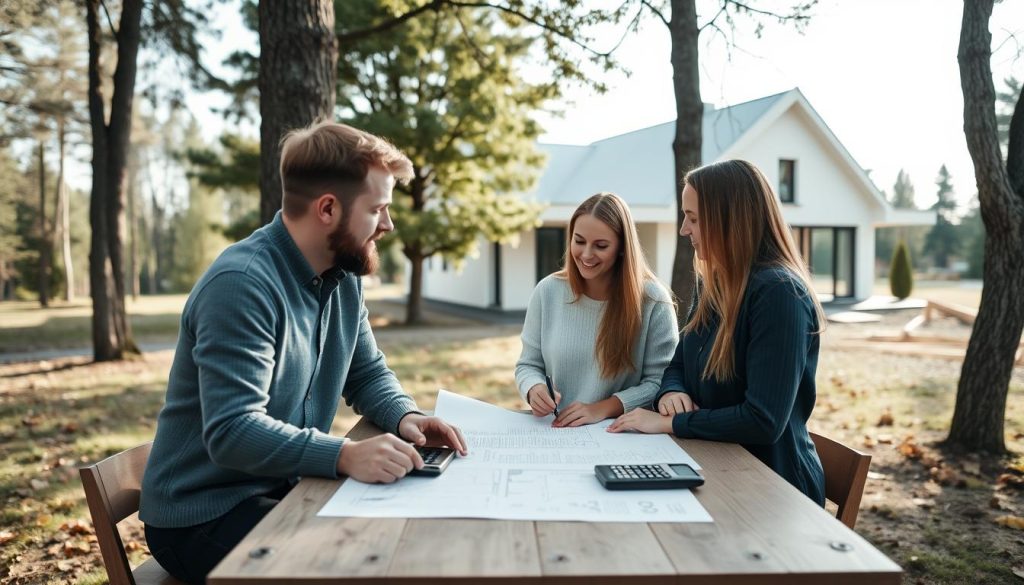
901	275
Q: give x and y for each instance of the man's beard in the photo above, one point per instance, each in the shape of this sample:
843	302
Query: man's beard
349	255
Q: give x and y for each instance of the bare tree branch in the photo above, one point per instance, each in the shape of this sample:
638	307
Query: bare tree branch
110	21
656	12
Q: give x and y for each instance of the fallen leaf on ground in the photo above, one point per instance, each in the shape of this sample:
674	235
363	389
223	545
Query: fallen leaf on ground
946	476
76	527
76	547
909	449
868	442
6	536
38	484
886	419
1019	572
972	467
1010	480
1011	522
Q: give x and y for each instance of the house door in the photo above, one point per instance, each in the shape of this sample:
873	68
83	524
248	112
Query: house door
829	254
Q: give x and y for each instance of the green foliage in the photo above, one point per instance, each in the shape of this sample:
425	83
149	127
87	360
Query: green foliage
446	89
903	192
943	240
901	275
972	232
198	241
237	166
1006	101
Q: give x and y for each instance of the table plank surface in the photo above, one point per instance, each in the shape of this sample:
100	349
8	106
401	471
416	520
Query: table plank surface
764	531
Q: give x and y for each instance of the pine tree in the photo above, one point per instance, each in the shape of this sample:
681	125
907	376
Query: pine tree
943	240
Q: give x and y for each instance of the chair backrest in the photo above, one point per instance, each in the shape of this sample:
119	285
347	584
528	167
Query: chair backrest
112	489
846	471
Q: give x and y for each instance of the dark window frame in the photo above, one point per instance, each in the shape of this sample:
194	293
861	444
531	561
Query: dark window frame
789	194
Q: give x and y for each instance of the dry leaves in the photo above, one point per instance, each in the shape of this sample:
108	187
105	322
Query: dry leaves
947	476
76	527
6	536
886	419
1015	522
909	449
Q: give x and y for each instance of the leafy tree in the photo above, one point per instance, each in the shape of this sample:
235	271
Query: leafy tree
903	192
943	240
12	245
901	274
979	415
445	88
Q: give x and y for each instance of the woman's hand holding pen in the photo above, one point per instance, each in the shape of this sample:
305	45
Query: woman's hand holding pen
540	401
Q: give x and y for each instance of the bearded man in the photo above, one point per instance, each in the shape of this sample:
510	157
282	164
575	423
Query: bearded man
272	336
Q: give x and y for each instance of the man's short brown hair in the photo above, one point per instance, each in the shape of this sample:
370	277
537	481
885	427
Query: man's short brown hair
328	157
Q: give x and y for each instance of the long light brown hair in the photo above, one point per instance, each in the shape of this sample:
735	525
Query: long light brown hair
623	313
741	226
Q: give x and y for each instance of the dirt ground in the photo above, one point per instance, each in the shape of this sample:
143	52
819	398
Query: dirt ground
943	518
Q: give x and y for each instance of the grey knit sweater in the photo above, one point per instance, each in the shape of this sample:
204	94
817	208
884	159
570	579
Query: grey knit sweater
560	337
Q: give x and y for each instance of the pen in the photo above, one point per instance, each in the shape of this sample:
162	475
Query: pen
551	393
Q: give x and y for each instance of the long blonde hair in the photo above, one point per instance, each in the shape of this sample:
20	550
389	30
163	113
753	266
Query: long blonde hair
741	225
621	322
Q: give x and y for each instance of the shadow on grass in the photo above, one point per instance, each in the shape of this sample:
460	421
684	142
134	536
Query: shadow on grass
76	331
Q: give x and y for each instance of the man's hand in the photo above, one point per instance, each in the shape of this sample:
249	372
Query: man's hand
540	401
642	420
381	459
430	430
673	403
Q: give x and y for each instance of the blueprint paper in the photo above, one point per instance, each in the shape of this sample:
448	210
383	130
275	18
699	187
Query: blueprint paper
501	437
519	468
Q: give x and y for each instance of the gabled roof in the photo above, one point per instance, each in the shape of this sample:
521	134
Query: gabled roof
634	164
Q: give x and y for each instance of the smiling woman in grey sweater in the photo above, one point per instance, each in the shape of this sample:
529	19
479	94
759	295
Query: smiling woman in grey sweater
603	328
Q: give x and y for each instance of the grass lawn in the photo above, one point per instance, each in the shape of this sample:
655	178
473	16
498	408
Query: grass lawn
932	513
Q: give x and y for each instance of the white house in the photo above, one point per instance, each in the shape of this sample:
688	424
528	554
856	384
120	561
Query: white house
827	198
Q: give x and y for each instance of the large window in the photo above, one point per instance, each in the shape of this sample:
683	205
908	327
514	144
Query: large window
829	254
787	180
550	250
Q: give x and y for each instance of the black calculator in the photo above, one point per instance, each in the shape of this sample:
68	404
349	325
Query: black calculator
435	460
648	477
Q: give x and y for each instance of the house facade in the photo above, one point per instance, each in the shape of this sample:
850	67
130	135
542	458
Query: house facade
828	200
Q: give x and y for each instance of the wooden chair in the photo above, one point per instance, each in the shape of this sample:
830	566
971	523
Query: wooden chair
846	471
112	489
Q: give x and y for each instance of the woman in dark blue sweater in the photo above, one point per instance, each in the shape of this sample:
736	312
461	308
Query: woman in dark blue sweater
743	371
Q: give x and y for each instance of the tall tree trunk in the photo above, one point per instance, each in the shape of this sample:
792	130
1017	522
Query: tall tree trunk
111	328
133	244
64	211
298	74
978	418
414	304
686	145
156	266
45	243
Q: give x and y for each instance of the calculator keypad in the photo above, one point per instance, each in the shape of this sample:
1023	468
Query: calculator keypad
639	472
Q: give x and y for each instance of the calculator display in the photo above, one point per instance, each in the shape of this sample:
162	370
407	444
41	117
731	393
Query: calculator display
683	469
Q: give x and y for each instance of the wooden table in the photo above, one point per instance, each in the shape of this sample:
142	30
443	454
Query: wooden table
764	531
